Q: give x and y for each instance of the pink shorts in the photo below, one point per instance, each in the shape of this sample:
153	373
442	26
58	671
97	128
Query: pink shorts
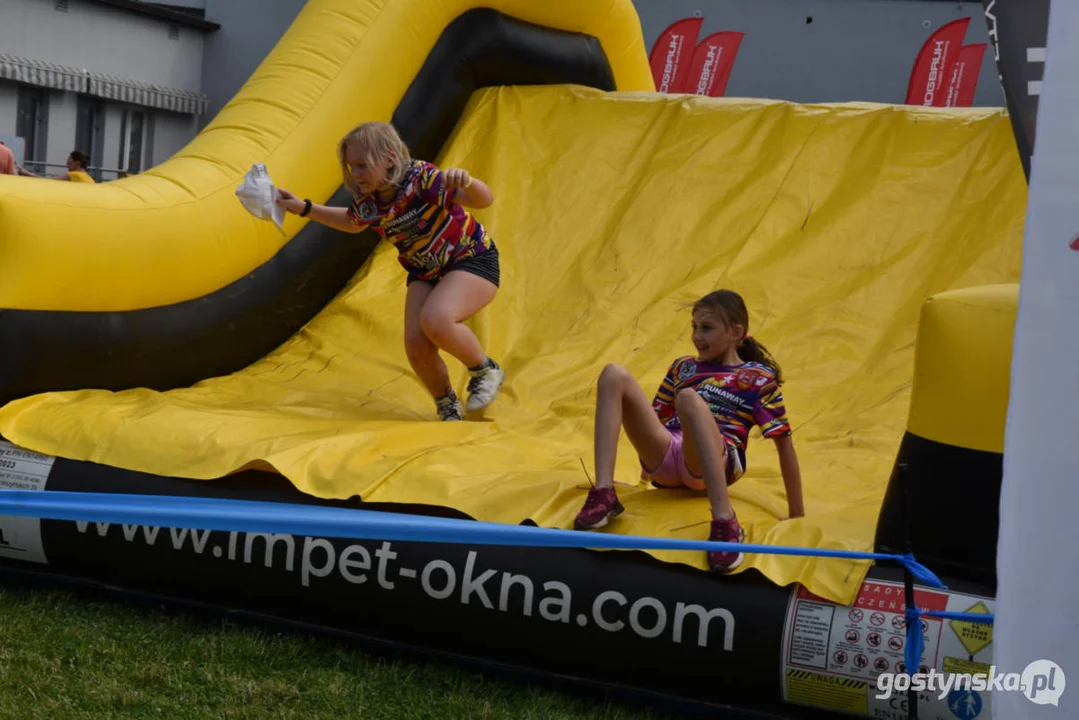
672	472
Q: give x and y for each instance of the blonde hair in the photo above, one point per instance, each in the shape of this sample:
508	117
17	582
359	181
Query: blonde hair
376	141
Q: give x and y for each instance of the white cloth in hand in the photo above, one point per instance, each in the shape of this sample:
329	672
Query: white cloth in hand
259	196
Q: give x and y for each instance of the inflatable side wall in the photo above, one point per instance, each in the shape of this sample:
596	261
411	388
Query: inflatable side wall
953	448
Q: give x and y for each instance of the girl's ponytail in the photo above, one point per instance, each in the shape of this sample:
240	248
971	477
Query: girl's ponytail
753	350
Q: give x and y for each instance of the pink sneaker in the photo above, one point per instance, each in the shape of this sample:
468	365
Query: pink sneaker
600	505
725	530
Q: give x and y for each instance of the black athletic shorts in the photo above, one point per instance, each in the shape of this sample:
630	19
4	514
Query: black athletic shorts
485	265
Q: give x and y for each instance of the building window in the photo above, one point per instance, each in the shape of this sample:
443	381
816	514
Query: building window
132	132
89	130
30	125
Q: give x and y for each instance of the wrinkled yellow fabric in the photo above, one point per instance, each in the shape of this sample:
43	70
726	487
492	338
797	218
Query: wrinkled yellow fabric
613	212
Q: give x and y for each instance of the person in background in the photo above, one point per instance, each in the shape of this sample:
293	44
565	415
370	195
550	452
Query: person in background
7	161
77	162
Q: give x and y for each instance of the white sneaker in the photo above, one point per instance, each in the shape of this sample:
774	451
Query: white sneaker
450	408
484	385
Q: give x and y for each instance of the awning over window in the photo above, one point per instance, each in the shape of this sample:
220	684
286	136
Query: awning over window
43	74
156	96
80	80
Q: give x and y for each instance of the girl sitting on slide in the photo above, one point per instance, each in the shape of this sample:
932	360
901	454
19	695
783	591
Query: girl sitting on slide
451	261
714	399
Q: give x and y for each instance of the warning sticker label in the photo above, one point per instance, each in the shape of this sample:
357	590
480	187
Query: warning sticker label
23	470
809	648
810	688
974	636
20	537
862	641
830	651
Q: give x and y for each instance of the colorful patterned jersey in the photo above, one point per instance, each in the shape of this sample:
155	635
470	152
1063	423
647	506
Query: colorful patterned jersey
739	397
428	229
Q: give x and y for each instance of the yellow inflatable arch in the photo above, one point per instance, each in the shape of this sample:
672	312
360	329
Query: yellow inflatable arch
176	232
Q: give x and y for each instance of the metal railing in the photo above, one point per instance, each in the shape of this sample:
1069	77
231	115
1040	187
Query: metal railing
97	172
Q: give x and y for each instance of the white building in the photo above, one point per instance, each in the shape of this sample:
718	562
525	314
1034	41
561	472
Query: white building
119	80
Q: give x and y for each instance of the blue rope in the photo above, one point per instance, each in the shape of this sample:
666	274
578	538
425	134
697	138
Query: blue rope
984	618
912	656
321	521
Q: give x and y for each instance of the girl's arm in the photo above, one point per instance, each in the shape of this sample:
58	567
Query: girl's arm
468	191
792	476
333	217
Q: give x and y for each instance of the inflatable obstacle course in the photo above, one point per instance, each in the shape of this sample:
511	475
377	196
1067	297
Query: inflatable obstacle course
216	362
336	410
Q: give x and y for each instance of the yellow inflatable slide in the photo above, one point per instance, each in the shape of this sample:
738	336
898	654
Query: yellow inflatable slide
614	210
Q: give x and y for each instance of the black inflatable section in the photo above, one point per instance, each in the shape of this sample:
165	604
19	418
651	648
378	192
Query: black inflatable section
177	345
484	48
955	509
606	620
621	623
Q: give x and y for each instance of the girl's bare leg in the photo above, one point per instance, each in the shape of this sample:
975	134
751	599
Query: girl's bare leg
422	353
456	298
704	449
705	453
620	402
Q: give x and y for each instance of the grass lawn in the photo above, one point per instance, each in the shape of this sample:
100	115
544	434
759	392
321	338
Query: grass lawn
70	655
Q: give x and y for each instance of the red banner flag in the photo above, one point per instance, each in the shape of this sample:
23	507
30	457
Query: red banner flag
670	55
712	62
933	68
965	75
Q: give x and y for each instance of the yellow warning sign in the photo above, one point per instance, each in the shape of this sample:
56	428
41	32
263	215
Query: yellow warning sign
974	636
958	666
834	693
